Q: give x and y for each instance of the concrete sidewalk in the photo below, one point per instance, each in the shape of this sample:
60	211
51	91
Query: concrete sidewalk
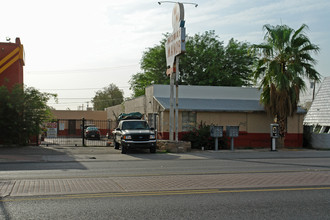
38	187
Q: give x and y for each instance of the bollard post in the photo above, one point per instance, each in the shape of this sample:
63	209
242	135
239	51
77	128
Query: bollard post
216	132
82	132
232	131
216	144
273	144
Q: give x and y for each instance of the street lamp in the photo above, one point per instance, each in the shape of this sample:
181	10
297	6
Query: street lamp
190	3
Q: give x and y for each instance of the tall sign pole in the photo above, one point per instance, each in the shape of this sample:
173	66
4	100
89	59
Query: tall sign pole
171	106
174	46
177	100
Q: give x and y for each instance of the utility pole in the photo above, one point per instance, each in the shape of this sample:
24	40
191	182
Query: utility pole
177	99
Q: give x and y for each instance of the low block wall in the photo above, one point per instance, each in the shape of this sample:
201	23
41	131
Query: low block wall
174	147
320	141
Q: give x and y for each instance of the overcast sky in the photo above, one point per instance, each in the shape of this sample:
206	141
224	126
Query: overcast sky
76	47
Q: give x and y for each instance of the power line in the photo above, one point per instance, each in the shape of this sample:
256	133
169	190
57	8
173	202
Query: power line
74	98
86	100
91	98
82	70
71	89
65	103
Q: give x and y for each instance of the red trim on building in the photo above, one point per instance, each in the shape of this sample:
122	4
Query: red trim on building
255	140
293	140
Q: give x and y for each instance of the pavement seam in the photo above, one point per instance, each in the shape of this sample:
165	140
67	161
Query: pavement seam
118	185
12	188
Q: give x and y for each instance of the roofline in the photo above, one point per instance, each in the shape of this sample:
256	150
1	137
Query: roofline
298	111
158	102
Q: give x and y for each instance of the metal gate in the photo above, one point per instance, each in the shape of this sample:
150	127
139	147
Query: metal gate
72	132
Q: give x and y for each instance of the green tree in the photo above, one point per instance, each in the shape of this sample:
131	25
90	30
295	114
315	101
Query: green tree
108	97
285	60
153	65
22	113
238	64
201	63
206	62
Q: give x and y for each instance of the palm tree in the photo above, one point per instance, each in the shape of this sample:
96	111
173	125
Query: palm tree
284	62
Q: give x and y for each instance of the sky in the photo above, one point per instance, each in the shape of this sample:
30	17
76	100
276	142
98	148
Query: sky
76	47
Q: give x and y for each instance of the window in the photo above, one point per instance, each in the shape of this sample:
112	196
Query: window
317	129
135	125
188	121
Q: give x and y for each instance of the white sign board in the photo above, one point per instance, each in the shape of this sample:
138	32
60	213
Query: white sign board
177	15
61	126
52	130
175	44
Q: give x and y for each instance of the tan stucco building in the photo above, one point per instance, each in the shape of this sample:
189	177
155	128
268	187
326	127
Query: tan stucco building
222	106
70	123
78	115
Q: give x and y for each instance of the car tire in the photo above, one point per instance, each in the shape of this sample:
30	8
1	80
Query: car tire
153	150
123	150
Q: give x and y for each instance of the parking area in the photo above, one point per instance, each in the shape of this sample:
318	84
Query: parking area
67	132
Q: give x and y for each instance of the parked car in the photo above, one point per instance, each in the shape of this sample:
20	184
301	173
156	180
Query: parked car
92	133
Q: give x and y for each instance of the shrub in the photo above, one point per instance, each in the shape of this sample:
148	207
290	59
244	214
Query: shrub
23	110
200	137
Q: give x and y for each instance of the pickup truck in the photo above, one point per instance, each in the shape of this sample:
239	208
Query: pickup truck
134	134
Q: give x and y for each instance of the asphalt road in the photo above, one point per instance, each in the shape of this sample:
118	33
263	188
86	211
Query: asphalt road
99	183
167	164
288	203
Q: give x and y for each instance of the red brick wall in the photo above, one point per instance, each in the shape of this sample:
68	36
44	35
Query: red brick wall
11	73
